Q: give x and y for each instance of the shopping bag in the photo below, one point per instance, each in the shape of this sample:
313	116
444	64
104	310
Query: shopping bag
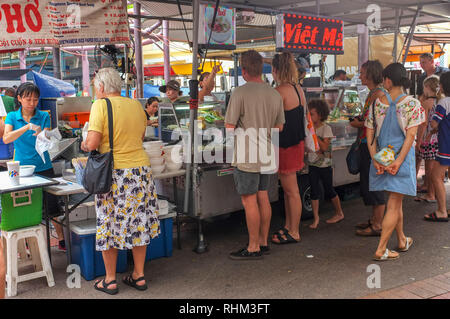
354	158
97	178
311	142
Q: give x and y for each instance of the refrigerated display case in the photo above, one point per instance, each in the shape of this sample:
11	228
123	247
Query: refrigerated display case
345	102
348	103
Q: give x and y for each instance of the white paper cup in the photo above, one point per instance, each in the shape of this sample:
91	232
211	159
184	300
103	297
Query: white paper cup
14	172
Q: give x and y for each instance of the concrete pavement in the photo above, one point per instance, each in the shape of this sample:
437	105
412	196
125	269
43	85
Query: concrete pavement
330	262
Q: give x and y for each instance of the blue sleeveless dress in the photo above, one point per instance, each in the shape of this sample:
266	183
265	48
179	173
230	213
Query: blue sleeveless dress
404	182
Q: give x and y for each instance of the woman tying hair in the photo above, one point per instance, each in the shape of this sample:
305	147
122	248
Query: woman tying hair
292	146
393	121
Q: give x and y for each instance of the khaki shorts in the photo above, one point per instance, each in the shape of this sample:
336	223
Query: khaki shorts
250	183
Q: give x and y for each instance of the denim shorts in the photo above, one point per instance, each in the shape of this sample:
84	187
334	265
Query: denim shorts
250	183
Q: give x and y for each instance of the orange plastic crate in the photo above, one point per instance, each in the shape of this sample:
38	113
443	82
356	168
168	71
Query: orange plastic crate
81	117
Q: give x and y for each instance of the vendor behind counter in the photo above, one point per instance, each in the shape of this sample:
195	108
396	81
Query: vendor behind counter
173	93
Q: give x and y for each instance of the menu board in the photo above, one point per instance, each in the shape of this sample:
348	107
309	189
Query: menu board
41	23
309	34
224	30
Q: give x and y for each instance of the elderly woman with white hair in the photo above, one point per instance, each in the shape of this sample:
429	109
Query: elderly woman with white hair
127	216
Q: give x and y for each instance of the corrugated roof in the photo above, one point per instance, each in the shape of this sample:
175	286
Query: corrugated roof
353	12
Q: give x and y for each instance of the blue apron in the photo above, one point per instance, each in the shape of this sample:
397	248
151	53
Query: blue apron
404	182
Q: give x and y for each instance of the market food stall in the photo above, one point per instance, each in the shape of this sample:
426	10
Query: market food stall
215	194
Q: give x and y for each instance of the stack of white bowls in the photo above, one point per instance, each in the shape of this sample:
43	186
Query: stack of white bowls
154	152
173	157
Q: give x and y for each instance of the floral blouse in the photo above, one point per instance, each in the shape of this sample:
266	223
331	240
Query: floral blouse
410	113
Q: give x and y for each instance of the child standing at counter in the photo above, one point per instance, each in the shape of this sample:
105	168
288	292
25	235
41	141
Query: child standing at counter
441	122
320	163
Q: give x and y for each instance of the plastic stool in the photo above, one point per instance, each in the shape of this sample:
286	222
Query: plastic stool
42	266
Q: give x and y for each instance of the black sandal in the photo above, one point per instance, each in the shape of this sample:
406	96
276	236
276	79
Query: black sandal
289	239
105	288
280	231
364	225
128	280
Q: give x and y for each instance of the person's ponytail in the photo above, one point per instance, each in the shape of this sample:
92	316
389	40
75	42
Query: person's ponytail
406	82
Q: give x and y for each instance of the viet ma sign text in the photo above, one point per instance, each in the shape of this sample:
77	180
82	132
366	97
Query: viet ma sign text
300	33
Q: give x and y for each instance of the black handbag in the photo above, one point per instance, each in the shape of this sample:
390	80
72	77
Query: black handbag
354	158
97	177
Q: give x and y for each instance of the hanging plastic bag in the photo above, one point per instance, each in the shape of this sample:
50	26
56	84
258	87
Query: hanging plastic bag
311	142
85	130
47	140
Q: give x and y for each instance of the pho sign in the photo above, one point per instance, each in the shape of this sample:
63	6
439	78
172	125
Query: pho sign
310	34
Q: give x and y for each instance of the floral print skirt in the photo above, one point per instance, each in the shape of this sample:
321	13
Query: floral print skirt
127	216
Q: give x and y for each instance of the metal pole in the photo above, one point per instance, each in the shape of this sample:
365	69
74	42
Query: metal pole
85	68
56	63
191	166
125	53
363	44
165	24
193	112
411	33
23	64
318	7
138	52
236	75
397	22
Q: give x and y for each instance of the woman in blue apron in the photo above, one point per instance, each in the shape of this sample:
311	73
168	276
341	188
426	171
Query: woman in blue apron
397	118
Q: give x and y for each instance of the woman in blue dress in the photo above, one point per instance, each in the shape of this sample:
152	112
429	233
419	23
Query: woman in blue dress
397	119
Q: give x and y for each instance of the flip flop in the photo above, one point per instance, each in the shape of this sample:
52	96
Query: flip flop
433	218
364	225
289	239
373	232
105	288
409	242
386	256
421	199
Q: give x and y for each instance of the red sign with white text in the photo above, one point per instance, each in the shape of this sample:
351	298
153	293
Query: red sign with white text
310	34
40	23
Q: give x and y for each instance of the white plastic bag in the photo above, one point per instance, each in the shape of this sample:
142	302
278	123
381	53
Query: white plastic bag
46	140
85	130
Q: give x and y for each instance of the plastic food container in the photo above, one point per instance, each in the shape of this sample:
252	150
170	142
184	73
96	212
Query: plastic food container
27	170
154	153
163	207
157	161
158	169
171	166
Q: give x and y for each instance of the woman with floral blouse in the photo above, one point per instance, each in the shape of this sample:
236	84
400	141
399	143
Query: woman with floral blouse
397	119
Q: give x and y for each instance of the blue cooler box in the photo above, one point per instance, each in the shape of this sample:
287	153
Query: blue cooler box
161	246
84	253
